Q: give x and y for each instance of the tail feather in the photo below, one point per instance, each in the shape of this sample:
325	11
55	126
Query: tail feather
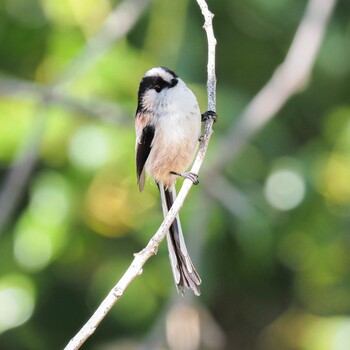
185	275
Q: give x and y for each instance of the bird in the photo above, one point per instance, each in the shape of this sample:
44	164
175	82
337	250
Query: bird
168	127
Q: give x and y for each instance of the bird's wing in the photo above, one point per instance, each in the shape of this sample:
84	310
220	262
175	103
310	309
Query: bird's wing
144	137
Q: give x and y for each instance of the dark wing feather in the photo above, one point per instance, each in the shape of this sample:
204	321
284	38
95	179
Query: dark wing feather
143	149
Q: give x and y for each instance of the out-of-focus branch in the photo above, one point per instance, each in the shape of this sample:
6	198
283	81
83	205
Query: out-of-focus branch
287	79
135	269
23	165
118	24
103	110
229	197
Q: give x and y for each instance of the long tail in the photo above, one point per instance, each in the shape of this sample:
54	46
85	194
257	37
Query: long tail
185	275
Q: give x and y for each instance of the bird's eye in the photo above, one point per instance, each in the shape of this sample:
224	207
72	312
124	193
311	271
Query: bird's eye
158	88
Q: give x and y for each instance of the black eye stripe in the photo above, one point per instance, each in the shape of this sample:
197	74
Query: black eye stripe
156	83
159	84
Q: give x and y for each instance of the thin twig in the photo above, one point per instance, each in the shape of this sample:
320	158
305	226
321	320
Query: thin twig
208	26
287	79
135	269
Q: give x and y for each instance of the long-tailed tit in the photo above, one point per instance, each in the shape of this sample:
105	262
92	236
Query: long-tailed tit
168	126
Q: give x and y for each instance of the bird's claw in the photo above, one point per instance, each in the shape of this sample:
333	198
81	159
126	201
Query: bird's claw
188	175
209	115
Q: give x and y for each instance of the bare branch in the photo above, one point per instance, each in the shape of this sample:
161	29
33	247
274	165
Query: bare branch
208	26
135	269
287	79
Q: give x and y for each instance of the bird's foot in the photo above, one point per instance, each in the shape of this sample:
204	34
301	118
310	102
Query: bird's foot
188	175
209	115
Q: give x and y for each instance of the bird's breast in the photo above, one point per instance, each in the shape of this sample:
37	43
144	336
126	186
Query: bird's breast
174	145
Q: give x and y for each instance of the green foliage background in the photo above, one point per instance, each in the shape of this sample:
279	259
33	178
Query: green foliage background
275	261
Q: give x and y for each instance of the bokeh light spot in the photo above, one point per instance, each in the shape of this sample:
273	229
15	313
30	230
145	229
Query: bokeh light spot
285	189
49	205
341	338
50	200
89	148
334	179
16	301
32	249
